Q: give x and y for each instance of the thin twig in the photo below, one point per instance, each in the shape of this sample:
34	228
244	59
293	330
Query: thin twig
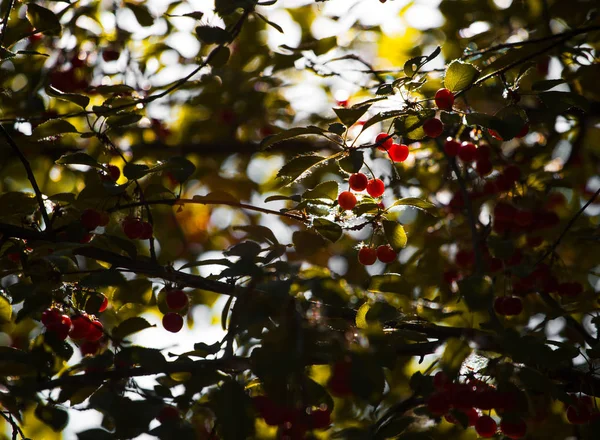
16	430
11	3
30	176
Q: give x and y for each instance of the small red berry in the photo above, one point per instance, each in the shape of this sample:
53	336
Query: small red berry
484	167
172	322
347	200
320	419
512	173
367	256
104	218
386	254
486	426
147	231
578	414
467	152
440	380
433	127
375	187
398	153
513	429
465	258
89	348
523	131
384	141
444	99
51	316
438	403
111	173
95	332
176	299
512	306
81	327
339	383
104	304
133	228
91	219
61	328
483	152
451	147
358	182
168	414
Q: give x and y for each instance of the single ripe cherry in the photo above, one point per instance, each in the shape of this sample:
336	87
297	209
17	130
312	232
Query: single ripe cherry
398	153
451	147
96	331
444	99
486	426
147	231
51	316
111	173
347	200
513	428
89	348
168	414
440	380
438	403
358	182
104	304
320	419
367	256
133	228
375	187
578	414
176	299
91	219
523	131
467	152
339	383
384	141
386	254
81	327
433	127
61	328
172	322
104	218
483	167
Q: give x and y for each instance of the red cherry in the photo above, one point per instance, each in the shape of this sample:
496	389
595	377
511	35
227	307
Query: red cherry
495	264
339	383
483	152
358	182
91	219
367	256
484	167
384	141
168	414
386	254
513	306
485	426
61	328
177	299
438	403
51	316
467	152
89	348
499	305
96	331
172	322
513	429
133	228
147	231
273	414
104	304
86	238
433	127
398	153
451	147
471	413
81	327
347	200
15	257
485	399
578	414
320	419
104	218
523	131
512	173
444	99
375	187
524	218
111	174
504	212
465	258
440	380
450	276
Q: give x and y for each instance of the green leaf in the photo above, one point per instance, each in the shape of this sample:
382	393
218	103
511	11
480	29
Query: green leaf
456	351
219	56
43	19
179	167
460	75
123	119
307	243
561	102
130	326
142	14
328	229
383	116
95	434
261	233
53	127
299	167
547	84
212	35
353	162
510	121
349	116
481	119
394	233
81	100
390	282
78	159
52	416
394	427
324	190
413	202
289	134
5	310
337	128
103	279
449	118
135	171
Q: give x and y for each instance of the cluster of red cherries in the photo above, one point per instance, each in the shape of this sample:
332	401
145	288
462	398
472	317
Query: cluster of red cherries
81	327
176	300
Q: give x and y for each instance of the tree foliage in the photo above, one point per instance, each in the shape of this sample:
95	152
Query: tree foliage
143	144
